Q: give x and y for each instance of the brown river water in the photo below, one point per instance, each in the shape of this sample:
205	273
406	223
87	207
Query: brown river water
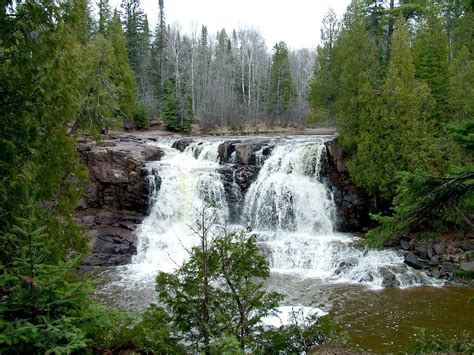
384	320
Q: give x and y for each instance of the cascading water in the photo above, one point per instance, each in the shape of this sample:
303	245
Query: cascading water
293	214
189	181
288	206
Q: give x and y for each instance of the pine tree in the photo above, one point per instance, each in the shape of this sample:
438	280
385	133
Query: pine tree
324	87
281	85
357	103
387	146
430	55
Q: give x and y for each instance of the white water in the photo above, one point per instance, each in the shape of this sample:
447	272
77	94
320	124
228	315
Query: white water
291	211
189	181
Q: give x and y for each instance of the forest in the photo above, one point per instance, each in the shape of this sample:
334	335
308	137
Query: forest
395	78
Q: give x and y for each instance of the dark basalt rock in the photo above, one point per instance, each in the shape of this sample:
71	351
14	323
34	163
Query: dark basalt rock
119	182
245	150
182	144
413	261
388	278
226	149
468	266
117	173
353	203
114	240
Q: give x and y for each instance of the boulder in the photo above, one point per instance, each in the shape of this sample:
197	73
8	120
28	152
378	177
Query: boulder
421	251
182	144
226	149
435	259
448	268
388	278
468	266
467	244
245	150
405	244
440	247
413	261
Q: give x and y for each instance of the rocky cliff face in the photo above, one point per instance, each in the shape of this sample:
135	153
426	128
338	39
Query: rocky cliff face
117	197
353	203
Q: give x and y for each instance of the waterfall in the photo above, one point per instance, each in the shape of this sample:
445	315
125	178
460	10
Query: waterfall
289	207
293	214
189	181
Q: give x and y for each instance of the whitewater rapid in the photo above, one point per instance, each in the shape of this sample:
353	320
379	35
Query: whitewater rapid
289	207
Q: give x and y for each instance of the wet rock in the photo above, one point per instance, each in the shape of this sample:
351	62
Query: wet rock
182	144
468	266
413	261
114	241
367	278
467	244
440	247
245	150
353	204
435	259
338	156
430	251
436	273
117	174
421	251
405	244
388	278
448	268
226	149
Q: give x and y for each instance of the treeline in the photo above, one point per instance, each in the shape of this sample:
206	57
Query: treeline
397	79
221	79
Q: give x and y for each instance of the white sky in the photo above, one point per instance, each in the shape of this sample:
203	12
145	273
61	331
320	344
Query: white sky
297	22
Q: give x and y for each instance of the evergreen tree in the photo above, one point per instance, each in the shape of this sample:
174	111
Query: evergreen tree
281	85
170	106
324	87
104	15
430	55
357	104
387	145
218	293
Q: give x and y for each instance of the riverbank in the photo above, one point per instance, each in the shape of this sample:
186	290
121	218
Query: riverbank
158	130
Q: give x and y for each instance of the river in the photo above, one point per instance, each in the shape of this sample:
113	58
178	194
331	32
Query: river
291	210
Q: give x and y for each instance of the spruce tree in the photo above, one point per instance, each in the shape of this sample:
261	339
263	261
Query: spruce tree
357	102
397	140
281	85
430	55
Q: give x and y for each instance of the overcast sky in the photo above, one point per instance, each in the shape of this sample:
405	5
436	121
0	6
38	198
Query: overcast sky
297	22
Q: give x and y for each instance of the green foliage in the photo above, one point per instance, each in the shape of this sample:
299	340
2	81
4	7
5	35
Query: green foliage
424	204
430	53
226	346
141	116
42	302
427	341
176	110
386	144
357	105
324	88
148	331
281	85
218	292
301	335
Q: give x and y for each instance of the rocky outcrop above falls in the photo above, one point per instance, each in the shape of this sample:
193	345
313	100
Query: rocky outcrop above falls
352	202
117	196
246	150
182	144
